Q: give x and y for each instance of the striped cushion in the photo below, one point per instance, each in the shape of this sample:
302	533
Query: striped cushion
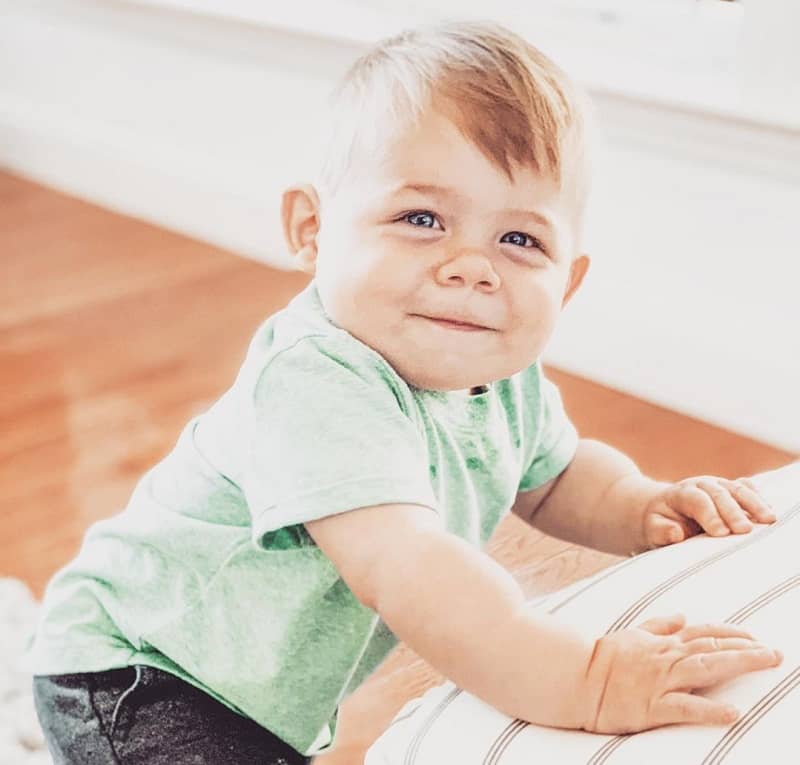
752	580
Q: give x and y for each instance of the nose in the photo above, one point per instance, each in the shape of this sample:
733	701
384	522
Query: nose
468	269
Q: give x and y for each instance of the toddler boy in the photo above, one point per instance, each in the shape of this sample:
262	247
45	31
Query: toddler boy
337	497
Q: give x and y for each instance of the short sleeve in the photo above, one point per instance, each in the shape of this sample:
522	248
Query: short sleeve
554	436
330	435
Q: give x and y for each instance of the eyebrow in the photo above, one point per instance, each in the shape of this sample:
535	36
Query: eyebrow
444	191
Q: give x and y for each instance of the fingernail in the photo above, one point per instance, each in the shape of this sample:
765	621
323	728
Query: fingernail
723	531
731	714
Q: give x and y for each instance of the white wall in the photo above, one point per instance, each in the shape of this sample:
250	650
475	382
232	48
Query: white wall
693	300
196	120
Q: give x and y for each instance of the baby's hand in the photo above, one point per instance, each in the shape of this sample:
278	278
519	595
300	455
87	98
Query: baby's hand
714	505
643	677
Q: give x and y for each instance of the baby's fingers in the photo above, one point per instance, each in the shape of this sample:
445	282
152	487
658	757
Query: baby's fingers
747	496
727	508
664	625
719	630
701	670
713	644
686	708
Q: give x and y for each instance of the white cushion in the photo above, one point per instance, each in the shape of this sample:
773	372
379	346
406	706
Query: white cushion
752	580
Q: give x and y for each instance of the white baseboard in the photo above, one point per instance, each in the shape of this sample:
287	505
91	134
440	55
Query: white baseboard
127	178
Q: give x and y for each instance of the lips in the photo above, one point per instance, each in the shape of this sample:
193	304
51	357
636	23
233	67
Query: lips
452	323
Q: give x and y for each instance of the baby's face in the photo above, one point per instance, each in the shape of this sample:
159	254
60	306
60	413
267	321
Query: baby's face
450	271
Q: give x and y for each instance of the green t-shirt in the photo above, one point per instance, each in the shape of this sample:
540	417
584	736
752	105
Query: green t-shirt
209	573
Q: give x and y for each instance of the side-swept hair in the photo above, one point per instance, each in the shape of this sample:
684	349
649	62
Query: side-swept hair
503	93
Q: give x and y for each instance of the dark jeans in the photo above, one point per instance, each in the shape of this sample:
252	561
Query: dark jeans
143	716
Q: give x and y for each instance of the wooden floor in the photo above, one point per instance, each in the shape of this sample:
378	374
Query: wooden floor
114	332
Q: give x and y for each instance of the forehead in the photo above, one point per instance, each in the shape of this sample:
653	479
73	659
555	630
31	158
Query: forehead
433	156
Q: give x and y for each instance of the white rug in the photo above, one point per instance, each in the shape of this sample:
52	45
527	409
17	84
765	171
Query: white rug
21	741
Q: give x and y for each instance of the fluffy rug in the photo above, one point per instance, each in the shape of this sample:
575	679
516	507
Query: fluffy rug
21	741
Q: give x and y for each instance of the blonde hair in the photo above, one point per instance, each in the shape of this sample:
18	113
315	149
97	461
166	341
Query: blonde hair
505	95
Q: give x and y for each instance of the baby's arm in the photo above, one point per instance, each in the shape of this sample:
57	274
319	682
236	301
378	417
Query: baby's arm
466	615
602	500
598	501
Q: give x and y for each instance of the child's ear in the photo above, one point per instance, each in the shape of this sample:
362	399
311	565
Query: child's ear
301	220
577	271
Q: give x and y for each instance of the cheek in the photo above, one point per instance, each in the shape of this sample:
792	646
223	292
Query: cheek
534	312
380	272
362	286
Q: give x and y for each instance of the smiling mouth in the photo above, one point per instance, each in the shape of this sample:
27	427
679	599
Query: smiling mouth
462	326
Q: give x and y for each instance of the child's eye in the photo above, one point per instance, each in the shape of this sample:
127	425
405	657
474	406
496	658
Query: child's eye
522	240
422	219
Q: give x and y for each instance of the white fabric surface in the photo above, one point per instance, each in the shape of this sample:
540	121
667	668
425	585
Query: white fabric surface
21	740
752	580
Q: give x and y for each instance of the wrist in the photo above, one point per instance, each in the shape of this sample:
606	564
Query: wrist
552	679
595	683
633	493
577	695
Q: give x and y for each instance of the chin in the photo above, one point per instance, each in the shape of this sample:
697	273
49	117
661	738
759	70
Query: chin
443	371
441	381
